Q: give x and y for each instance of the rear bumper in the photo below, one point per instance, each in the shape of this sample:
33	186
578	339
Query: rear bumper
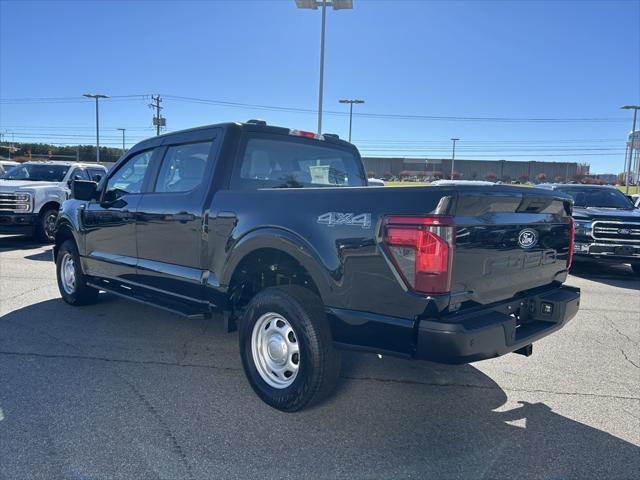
493	331
467	336
13	223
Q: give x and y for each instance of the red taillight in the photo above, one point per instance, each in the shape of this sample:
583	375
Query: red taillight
422	250
572	238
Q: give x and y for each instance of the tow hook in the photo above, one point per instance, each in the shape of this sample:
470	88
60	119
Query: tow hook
527	350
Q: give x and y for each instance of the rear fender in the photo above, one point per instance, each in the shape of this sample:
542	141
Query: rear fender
291	244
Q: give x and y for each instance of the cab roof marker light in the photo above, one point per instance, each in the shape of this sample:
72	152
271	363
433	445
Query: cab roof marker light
302	133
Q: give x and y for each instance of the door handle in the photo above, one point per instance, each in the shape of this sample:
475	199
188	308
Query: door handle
184	217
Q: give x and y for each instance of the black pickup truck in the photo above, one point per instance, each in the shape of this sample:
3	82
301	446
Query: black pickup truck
607	224
278	230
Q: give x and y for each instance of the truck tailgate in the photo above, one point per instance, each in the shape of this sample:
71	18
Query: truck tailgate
507	243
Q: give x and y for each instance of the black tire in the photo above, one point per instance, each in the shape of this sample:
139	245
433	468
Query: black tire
319	361
45	228
81	294
636	268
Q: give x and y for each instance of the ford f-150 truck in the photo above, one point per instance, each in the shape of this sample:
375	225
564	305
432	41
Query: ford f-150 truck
278	230
31	194
607	224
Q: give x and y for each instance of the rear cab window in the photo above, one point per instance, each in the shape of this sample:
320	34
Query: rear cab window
281	161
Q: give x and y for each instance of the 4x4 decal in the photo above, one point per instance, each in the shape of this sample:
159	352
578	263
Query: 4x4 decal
339	218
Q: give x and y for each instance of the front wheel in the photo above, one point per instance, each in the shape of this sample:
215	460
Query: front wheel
286	348
72	283
45	229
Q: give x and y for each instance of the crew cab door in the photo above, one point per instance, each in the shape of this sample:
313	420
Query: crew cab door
170	216
110	227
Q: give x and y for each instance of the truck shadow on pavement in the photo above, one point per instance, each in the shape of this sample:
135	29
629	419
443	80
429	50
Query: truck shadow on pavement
121	367
18	242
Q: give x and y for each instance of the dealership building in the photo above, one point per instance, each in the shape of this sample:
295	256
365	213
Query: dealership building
472	169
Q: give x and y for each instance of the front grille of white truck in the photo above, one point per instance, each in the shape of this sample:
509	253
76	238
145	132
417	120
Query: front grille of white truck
15	202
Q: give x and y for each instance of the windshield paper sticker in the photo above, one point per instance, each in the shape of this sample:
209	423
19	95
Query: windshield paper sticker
332	219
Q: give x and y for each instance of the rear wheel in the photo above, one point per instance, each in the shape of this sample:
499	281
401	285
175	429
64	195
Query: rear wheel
72	283
45	229
286	348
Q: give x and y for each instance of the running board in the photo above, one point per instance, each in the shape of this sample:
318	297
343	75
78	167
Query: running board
186	309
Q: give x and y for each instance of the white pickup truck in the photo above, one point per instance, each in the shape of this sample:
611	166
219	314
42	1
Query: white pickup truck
31	194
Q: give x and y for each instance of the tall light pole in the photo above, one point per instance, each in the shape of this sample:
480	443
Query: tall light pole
627	169
314	4
123	147
97	97
453	155
350	102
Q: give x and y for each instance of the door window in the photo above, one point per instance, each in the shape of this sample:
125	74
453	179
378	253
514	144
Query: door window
183	167
96	174
79	174
128	179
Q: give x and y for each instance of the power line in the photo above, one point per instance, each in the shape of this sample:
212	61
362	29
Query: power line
39	100
390	116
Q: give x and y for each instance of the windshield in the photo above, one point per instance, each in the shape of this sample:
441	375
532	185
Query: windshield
598	197
37	173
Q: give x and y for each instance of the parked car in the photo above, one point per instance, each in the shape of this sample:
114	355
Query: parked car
607	224
267	225
461	182
31	194
375	182
6	165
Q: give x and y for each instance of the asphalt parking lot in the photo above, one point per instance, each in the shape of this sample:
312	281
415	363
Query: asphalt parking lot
121	390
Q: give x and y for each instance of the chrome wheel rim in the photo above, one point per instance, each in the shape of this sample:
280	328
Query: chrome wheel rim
275	350
68	274
50	225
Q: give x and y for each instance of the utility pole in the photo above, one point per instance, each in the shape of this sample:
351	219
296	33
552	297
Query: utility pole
96	96
453	155
158	120
350	102
123	145
627	172
323	4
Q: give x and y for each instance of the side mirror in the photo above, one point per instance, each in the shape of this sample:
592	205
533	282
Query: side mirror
83	189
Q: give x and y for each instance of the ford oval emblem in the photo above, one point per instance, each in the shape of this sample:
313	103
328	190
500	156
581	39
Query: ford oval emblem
527	238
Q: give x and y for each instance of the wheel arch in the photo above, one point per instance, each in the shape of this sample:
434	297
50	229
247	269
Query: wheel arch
50	204
64	232
274	243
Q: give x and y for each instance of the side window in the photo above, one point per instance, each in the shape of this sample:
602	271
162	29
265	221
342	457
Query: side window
79	174
129	177
183	167
96	174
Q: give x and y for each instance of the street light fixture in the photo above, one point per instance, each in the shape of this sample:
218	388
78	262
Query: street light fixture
123	147
453	155
350	102
97	97
313	5
627	168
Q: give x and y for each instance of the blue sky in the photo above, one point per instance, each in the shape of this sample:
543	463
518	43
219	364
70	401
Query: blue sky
514	60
